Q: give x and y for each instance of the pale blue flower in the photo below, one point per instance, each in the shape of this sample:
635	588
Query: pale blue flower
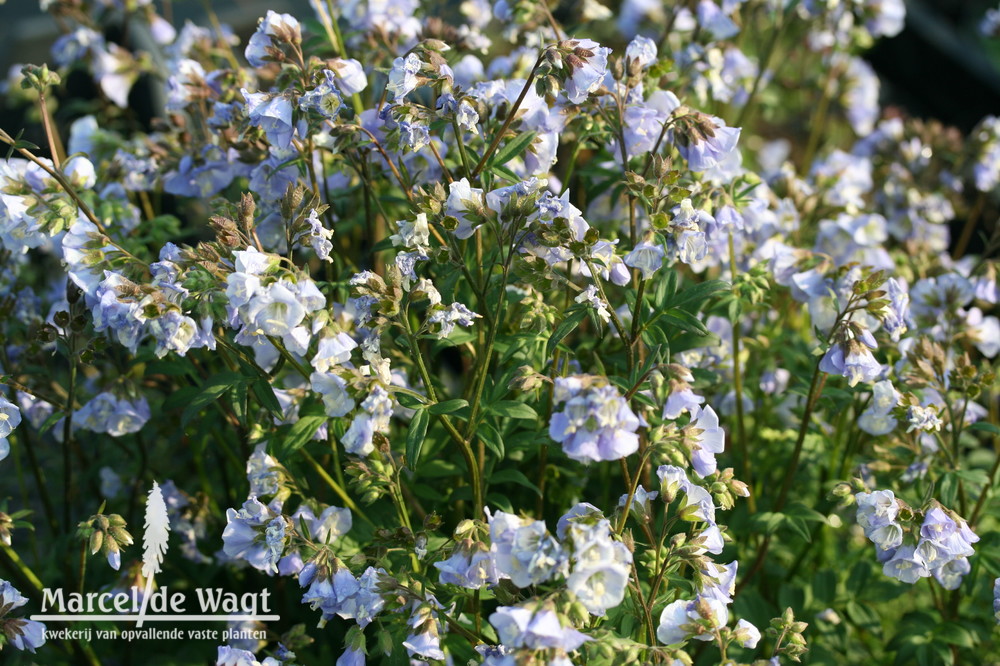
641	50
906	565
519	627
244	535
351	657
996	600
922	418
29	634
647	257
710	441
282	26
523	550
460	195
470	566
706	152
350	75
877	419
715	22
333	351
10	416
273	114
588	66
595	423
404	76
592	297
325	98
447	317
678	618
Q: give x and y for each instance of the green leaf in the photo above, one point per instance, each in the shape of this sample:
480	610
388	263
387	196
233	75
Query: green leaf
513	148
567	326
800	510
858	579
436	467
512	409
798	526
862	615
985	427
489	436
698	294
415	437
180	397
408	401
683	320
768	521
666	288
952	633
50	421
504	172
265	396
501	502
824	587
447	406
213	388
654	337
514	476
301	432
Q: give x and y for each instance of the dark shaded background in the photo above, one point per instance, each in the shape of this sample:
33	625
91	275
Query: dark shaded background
938	67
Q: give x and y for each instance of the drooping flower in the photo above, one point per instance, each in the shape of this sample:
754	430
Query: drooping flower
647	257
404	76
274	26
704	141
641	50
599	566
22	634
10	416
273	114
254	533
677	621
710	440
587	62
877	419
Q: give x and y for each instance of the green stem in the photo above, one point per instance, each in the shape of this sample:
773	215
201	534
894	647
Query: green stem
987	489
461	149
815	388
21	567
741	430
510	117
763	65
68	189
67	439
969	228
82	569
336	487
629	355
55	145
818	124
463	443
299	368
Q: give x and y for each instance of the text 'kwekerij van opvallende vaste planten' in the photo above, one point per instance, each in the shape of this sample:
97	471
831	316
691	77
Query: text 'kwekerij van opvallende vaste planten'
553	333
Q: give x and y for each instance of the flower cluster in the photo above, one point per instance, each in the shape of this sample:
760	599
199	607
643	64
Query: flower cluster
595	422
940	546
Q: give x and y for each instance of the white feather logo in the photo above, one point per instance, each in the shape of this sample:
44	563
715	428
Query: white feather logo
154	542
